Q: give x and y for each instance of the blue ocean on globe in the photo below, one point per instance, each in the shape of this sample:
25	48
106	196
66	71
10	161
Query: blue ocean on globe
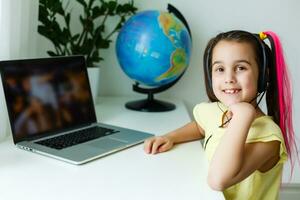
153	48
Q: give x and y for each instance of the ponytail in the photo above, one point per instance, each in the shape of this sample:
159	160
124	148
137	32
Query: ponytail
284	96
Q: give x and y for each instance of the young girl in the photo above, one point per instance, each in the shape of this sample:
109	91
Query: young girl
245	147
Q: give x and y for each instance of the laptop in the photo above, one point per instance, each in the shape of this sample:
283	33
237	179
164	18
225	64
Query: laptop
51	111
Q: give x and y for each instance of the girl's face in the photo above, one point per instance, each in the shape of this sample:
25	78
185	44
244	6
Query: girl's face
234	72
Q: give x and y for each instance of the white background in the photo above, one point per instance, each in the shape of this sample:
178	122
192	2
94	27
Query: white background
206	19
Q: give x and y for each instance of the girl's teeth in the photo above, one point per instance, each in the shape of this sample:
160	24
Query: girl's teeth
231	91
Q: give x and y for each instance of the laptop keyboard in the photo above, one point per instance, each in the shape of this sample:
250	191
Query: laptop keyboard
77	137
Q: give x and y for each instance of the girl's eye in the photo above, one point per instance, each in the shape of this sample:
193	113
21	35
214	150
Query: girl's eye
219	69
240	68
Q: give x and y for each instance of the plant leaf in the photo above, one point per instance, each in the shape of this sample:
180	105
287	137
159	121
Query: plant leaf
83	3
111	7
51	53
57	7
98	11
67	19
75	37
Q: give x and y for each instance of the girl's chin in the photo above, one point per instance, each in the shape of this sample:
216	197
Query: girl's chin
230	102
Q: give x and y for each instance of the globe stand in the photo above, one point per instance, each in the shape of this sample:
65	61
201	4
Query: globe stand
150	105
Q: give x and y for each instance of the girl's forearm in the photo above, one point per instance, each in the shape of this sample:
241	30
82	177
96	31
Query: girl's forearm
186	133
228	157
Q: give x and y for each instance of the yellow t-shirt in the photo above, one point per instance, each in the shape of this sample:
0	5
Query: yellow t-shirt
258	186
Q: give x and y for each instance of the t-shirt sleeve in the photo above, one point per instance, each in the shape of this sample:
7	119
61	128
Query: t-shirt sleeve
199	114
266	131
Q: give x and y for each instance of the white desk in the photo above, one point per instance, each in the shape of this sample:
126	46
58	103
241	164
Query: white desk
130	174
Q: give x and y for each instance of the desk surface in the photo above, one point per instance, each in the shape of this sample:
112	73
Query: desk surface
129	174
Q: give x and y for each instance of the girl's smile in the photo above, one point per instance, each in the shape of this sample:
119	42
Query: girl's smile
231	91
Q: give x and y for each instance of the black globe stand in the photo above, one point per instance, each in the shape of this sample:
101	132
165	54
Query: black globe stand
150	105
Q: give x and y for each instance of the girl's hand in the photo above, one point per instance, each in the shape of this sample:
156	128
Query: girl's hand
242	110
158	144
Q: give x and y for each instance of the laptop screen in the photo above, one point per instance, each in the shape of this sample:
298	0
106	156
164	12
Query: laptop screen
46	95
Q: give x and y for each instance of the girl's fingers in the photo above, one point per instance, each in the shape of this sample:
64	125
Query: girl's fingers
148	145
164	147
157	143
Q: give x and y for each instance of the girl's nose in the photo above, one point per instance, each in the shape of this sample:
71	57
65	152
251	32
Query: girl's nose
229	77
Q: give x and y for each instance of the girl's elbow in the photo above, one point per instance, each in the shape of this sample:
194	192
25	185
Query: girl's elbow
216	183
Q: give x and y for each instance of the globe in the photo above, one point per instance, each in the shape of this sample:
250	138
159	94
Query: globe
153	48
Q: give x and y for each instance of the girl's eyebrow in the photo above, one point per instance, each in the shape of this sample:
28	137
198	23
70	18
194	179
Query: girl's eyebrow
244	61
216	62
237	61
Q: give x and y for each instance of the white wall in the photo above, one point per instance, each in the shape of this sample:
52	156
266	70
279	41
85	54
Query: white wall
206	19
18	29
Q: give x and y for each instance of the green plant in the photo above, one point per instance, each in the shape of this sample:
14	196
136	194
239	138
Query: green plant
55	17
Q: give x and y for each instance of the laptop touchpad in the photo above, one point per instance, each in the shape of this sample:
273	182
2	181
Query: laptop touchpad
107	143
